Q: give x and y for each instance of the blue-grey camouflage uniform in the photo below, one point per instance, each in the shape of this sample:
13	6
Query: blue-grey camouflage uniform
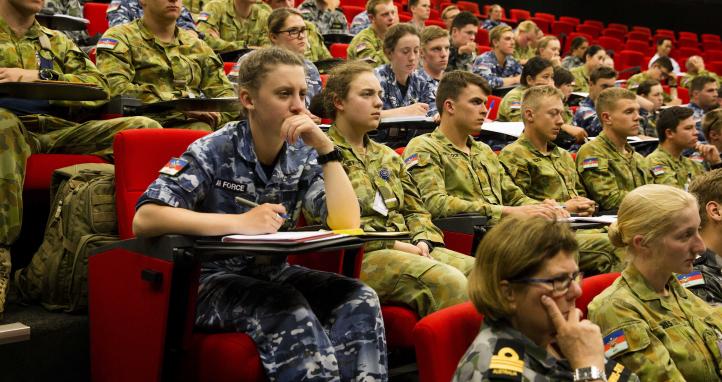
490	24
433	83
698	115
586	117
125	11
327	21
488	67
418	90
360	22
313	79
307	325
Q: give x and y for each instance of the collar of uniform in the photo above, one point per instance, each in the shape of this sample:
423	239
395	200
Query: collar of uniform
668	155
604	138
146	34
585	72
247	151
311	5
695	107
553	149
340	141
33	32
639	286
503	329
439	136
709	259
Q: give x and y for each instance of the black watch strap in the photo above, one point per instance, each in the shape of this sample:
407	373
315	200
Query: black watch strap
332	156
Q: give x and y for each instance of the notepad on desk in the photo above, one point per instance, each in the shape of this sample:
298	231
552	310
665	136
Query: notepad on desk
604	219
292	237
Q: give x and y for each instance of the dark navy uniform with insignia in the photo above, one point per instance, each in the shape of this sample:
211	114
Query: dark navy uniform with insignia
307	325
710	287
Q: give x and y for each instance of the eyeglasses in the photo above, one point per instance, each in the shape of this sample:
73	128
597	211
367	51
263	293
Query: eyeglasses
294	32
560	285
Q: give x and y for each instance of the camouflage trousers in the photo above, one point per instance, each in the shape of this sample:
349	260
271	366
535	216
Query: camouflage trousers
22	136
597	254
425	285
180	121
307	325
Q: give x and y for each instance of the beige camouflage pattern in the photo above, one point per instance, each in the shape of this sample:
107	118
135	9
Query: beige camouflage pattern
453	182
225	32
423	284
614	175
194	7
523	54
669	338
142	66
316	49
581	79
366	45
510	107
665	169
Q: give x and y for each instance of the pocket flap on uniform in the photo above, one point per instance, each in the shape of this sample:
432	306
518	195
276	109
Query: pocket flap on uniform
628	338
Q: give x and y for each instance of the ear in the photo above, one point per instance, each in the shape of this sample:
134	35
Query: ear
528	115
508	292
714	212
244	96
668	133
639	246
338	103
449	106
272	37
605	118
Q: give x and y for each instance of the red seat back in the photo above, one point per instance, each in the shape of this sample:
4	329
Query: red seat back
638	35
613	32
492	104
139	155
546	16
592	286
350	11
595	23
470	6
711	45
710	37
688	36
714	66
339	50
629	58
559	27
712	55
95	13
544	24
571	20
482	37
610	43
519	14
592	30
442	338
622	27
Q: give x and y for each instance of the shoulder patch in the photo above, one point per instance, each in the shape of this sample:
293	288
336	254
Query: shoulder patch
361	47
203	16
515	105
590	163
508	361
696	157
112	7
615	343
174	166
691	279
235	70
107	43
411	161
658	170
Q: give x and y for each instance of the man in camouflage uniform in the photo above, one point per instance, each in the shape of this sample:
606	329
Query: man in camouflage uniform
661	70
703	98
586	115
609	166
326	15
422	283
194	7
28	126
497	66
71	8
457	174
140	64
234	24
463	41
676	132
525	40
124	11
706	189
369	43
543	171
695	68
307	325
360	22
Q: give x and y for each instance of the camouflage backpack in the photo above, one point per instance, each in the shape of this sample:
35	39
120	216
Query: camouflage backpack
82	217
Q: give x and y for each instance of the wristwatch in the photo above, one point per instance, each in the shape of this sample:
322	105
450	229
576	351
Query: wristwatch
48	75
590	373
332	156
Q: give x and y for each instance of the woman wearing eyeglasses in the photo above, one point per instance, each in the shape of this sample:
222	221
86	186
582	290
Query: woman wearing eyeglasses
525	282
651	323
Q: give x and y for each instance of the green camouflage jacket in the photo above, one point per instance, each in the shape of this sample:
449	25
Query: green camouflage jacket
665	169
219	16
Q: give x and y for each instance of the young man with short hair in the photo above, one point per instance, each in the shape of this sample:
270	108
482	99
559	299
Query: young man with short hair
703	98
463	41
712	128
434	55
677	133
707	188
420	12
664	47
586	115
369	43
661	70
498	66
695	68
457	174
608	165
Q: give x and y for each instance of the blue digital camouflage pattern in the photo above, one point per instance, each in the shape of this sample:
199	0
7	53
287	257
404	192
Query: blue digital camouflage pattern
313	81
125	11
418	90
586	117
433	83
490	24
360	22
307	325
327	21
488	67
698	115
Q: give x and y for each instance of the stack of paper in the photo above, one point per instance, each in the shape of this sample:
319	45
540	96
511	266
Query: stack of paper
284	237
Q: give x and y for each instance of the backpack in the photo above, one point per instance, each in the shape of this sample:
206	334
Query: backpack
82	218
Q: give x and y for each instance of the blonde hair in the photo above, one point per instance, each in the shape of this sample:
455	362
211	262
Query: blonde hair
544	41
371	5
515	248
527	26
432	32
532	97
650	211
496	32
339	83
608	98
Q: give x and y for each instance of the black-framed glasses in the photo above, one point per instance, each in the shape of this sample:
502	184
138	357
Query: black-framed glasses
560	285
295	32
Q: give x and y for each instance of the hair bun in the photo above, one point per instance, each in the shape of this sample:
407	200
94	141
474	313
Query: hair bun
615	236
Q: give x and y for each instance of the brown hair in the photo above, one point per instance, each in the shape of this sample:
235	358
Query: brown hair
608	98
371	5
707	188
496	32
339	83
532	96
454	82
544	41
711	122
395	33
255	65
432	32
278	17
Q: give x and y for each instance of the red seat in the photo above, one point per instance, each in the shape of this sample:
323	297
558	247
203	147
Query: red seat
442	338
591	30
687	36
591	287
571	20
682	93
355	3
400	150
339	50
687	51
438	23
613	32
629	58
665	32
610	43
39	168
471	7
434	15
482	36
687	43
543	24
638	35
710	37
324	79
622	27
492	104
637	45
562	27
712	55
714	66
595	23
519	14
228	66
711	45
546	16
571	36
405	17
482	49
350	11
95	13
642	29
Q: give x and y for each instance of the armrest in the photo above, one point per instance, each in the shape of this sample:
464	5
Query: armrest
462	223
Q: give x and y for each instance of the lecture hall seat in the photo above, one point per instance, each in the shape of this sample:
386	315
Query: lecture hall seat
591	287
95	13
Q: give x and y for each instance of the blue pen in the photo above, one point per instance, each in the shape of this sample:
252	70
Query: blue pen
491	105
250	204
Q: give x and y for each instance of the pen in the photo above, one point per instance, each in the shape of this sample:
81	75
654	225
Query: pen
250	204
491	105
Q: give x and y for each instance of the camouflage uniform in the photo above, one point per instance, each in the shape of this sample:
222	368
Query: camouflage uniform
554	176
194	6
586	117
634	81
687	78
488	67
480	362
417	90
710	288
660	338
424	284
219	17
125	11
521	54
316	49
328	21
490	24
698	115
366	45
139	65
460	61
47	126
581	79
648	123
433	83
571	61
360	22
71	8
510	108
607	174
678	172
306	324
453	182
